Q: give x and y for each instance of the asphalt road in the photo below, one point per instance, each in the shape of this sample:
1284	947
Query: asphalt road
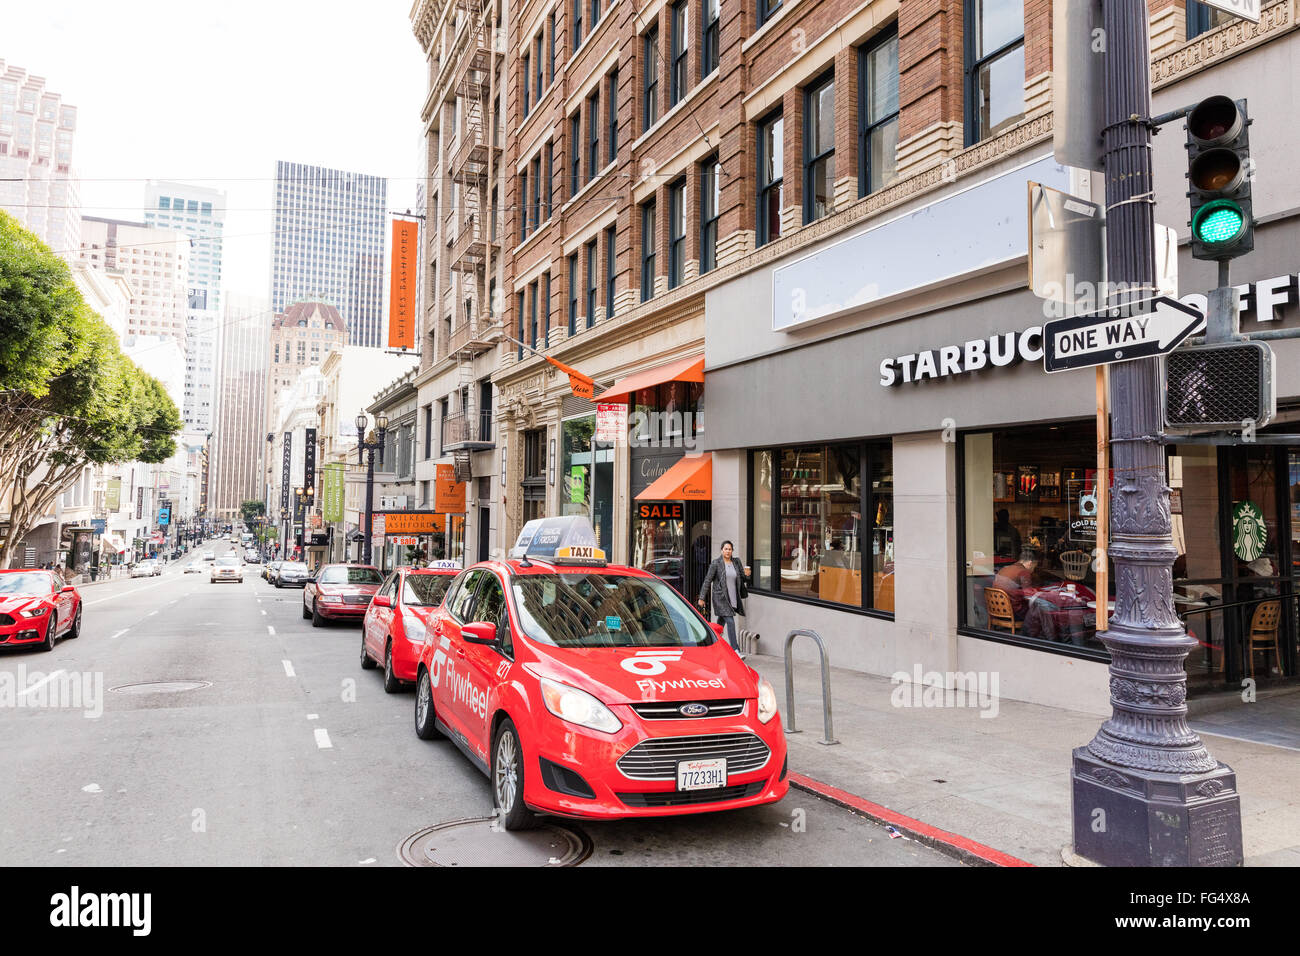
288	753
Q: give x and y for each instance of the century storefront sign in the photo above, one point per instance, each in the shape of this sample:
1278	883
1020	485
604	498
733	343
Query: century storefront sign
411	522
1257	301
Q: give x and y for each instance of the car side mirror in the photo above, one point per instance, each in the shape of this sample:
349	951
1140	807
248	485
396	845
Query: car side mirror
66	588
480	632
381	600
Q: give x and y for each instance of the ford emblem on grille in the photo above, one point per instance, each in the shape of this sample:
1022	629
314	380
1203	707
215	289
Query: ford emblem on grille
693	710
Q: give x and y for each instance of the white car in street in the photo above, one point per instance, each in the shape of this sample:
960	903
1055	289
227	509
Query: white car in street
227	568
147	568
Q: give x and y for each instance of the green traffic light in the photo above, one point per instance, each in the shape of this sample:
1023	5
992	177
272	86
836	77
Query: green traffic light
1217	223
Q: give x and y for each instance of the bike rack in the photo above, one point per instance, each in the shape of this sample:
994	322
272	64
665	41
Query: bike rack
748	641
826	685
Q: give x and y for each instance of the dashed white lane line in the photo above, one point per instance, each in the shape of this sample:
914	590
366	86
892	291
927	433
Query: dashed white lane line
40	683
111	597
323	739
270	630
313	716
263	614
151	614
118	634
288	669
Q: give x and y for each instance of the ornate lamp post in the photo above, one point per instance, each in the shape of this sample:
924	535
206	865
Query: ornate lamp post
370	447
303	498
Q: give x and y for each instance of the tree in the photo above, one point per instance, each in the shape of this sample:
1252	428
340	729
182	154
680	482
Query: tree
252	510
68	396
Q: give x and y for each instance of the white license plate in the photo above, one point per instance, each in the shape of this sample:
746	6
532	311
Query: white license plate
702	774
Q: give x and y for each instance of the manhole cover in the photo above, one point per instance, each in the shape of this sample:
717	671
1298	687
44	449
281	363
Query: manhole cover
475	843
161	686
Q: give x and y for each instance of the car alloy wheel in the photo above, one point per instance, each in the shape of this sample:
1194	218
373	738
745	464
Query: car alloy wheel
367	662
76	626
391	684
426	727
51	629
508	780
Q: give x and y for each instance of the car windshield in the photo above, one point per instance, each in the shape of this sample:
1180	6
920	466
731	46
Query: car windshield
227	559
351	576
426	589
293	566
25	584
606	610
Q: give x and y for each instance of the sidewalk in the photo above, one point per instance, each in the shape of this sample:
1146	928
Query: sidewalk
1002	781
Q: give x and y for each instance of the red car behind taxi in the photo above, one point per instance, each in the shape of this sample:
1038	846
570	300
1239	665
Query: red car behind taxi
397	624
340	592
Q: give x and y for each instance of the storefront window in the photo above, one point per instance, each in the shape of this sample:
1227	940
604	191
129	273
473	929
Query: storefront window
659	540
1030	529
824	520
588	477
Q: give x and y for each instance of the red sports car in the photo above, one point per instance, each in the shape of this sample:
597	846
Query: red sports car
340	592
36	607
396	626
595	691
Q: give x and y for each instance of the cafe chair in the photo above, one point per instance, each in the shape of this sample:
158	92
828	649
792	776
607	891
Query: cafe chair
998	603
1074	564
1263	632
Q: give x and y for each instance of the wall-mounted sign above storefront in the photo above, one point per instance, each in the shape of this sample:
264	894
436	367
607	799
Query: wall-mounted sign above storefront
997	351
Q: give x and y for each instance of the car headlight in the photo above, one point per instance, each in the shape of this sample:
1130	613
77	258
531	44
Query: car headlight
578	707
766	701
34	611
413	627
330	599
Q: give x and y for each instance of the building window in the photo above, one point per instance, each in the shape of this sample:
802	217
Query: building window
595	12
539	43
710	47
546	309
523	205
519	308
611	235
830	536
819	151
771	177
680	48
878	114
1027	531
676	233
1202	18
593	134
573	294
647	251
527	74
492	235
613	115
536	208
591	283
532	315
995	67
710	196
575	154
767	9
550	177
577	24
650	94
550	53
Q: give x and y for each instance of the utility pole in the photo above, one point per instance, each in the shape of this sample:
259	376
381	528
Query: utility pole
1145	790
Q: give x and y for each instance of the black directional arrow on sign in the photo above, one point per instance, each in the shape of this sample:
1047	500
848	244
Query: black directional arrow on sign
1101	338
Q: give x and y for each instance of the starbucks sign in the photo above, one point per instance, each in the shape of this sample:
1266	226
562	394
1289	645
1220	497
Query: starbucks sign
1249	532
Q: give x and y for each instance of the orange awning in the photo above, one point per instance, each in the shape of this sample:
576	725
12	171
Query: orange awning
691	479
683	370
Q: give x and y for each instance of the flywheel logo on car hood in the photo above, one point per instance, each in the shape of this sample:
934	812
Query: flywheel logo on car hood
646	663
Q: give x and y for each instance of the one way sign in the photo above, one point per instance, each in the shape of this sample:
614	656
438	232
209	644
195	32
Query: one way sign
1101	338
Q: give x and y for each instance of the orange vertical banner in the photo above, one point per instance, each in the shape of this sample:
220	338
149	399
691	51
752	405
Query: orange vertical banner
448	493
401	290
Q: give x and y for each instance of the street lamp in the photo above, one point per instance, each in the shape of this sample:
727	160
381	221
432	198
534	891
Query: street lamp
303	498
381	426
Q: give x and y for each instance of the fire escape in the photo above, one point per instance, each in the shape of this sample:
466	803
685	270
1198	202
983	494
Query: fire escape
474	166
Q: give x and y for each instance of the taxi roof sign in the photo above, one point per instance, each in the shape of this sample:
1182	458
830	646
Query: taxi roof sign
445	564
566	539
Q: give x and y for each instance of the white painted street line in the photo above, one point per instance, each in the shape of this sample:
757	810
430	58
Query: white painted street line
270	630
125	593
323	739
288	669
151	614
313	716
118	634
40	683
263	614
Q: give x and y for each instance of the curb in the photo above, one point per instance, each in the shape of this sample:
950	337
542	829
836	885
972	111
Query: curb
954	845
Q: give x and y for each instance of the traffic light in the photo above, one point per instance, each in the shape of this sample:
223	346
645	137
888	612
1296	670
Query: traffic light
1218	179
1230	386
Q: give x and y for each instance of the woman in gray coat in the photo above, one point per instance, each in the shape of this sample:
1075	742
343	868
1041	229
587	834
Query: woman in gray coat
727	578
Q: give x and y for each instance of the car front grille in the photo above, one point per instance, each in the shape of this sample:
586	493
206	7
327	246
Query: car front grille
6	620
672	711
679	798
356	599
656	759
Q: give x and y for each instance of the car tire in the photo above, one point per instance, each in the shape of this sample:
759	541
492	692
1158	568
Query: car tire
508	779
426	727
316	619
76	626
305	613
51	629
277	583
367	662
391	684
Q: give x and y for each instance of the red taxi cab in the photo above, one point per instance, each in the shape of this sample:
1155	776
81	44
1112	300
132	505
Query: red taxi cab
36	608
397	624
591	690
340	592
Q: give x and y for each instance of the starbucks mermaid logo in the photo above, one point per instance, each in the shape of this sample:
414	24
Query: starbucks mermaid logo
1249	532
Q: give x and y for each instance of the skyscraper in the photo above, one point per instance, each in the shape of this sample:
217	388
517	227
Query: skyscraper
36	184
239	438
199	213
155	262
329	244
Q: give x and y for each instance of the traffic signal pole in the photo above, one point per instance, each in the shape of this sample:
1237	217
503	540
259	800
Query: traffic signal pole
1145	791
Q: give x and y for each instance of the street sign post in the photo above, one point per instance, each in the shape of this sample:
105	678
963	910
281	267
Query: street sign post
1101	338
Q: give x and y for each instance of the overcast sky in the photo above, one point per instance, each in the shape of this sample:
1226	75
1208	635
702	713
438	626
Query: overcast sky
215	93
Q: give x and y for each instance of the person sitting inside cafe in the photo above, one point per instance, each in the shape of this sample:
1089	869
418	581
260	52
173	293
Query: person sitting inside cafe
1017	579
